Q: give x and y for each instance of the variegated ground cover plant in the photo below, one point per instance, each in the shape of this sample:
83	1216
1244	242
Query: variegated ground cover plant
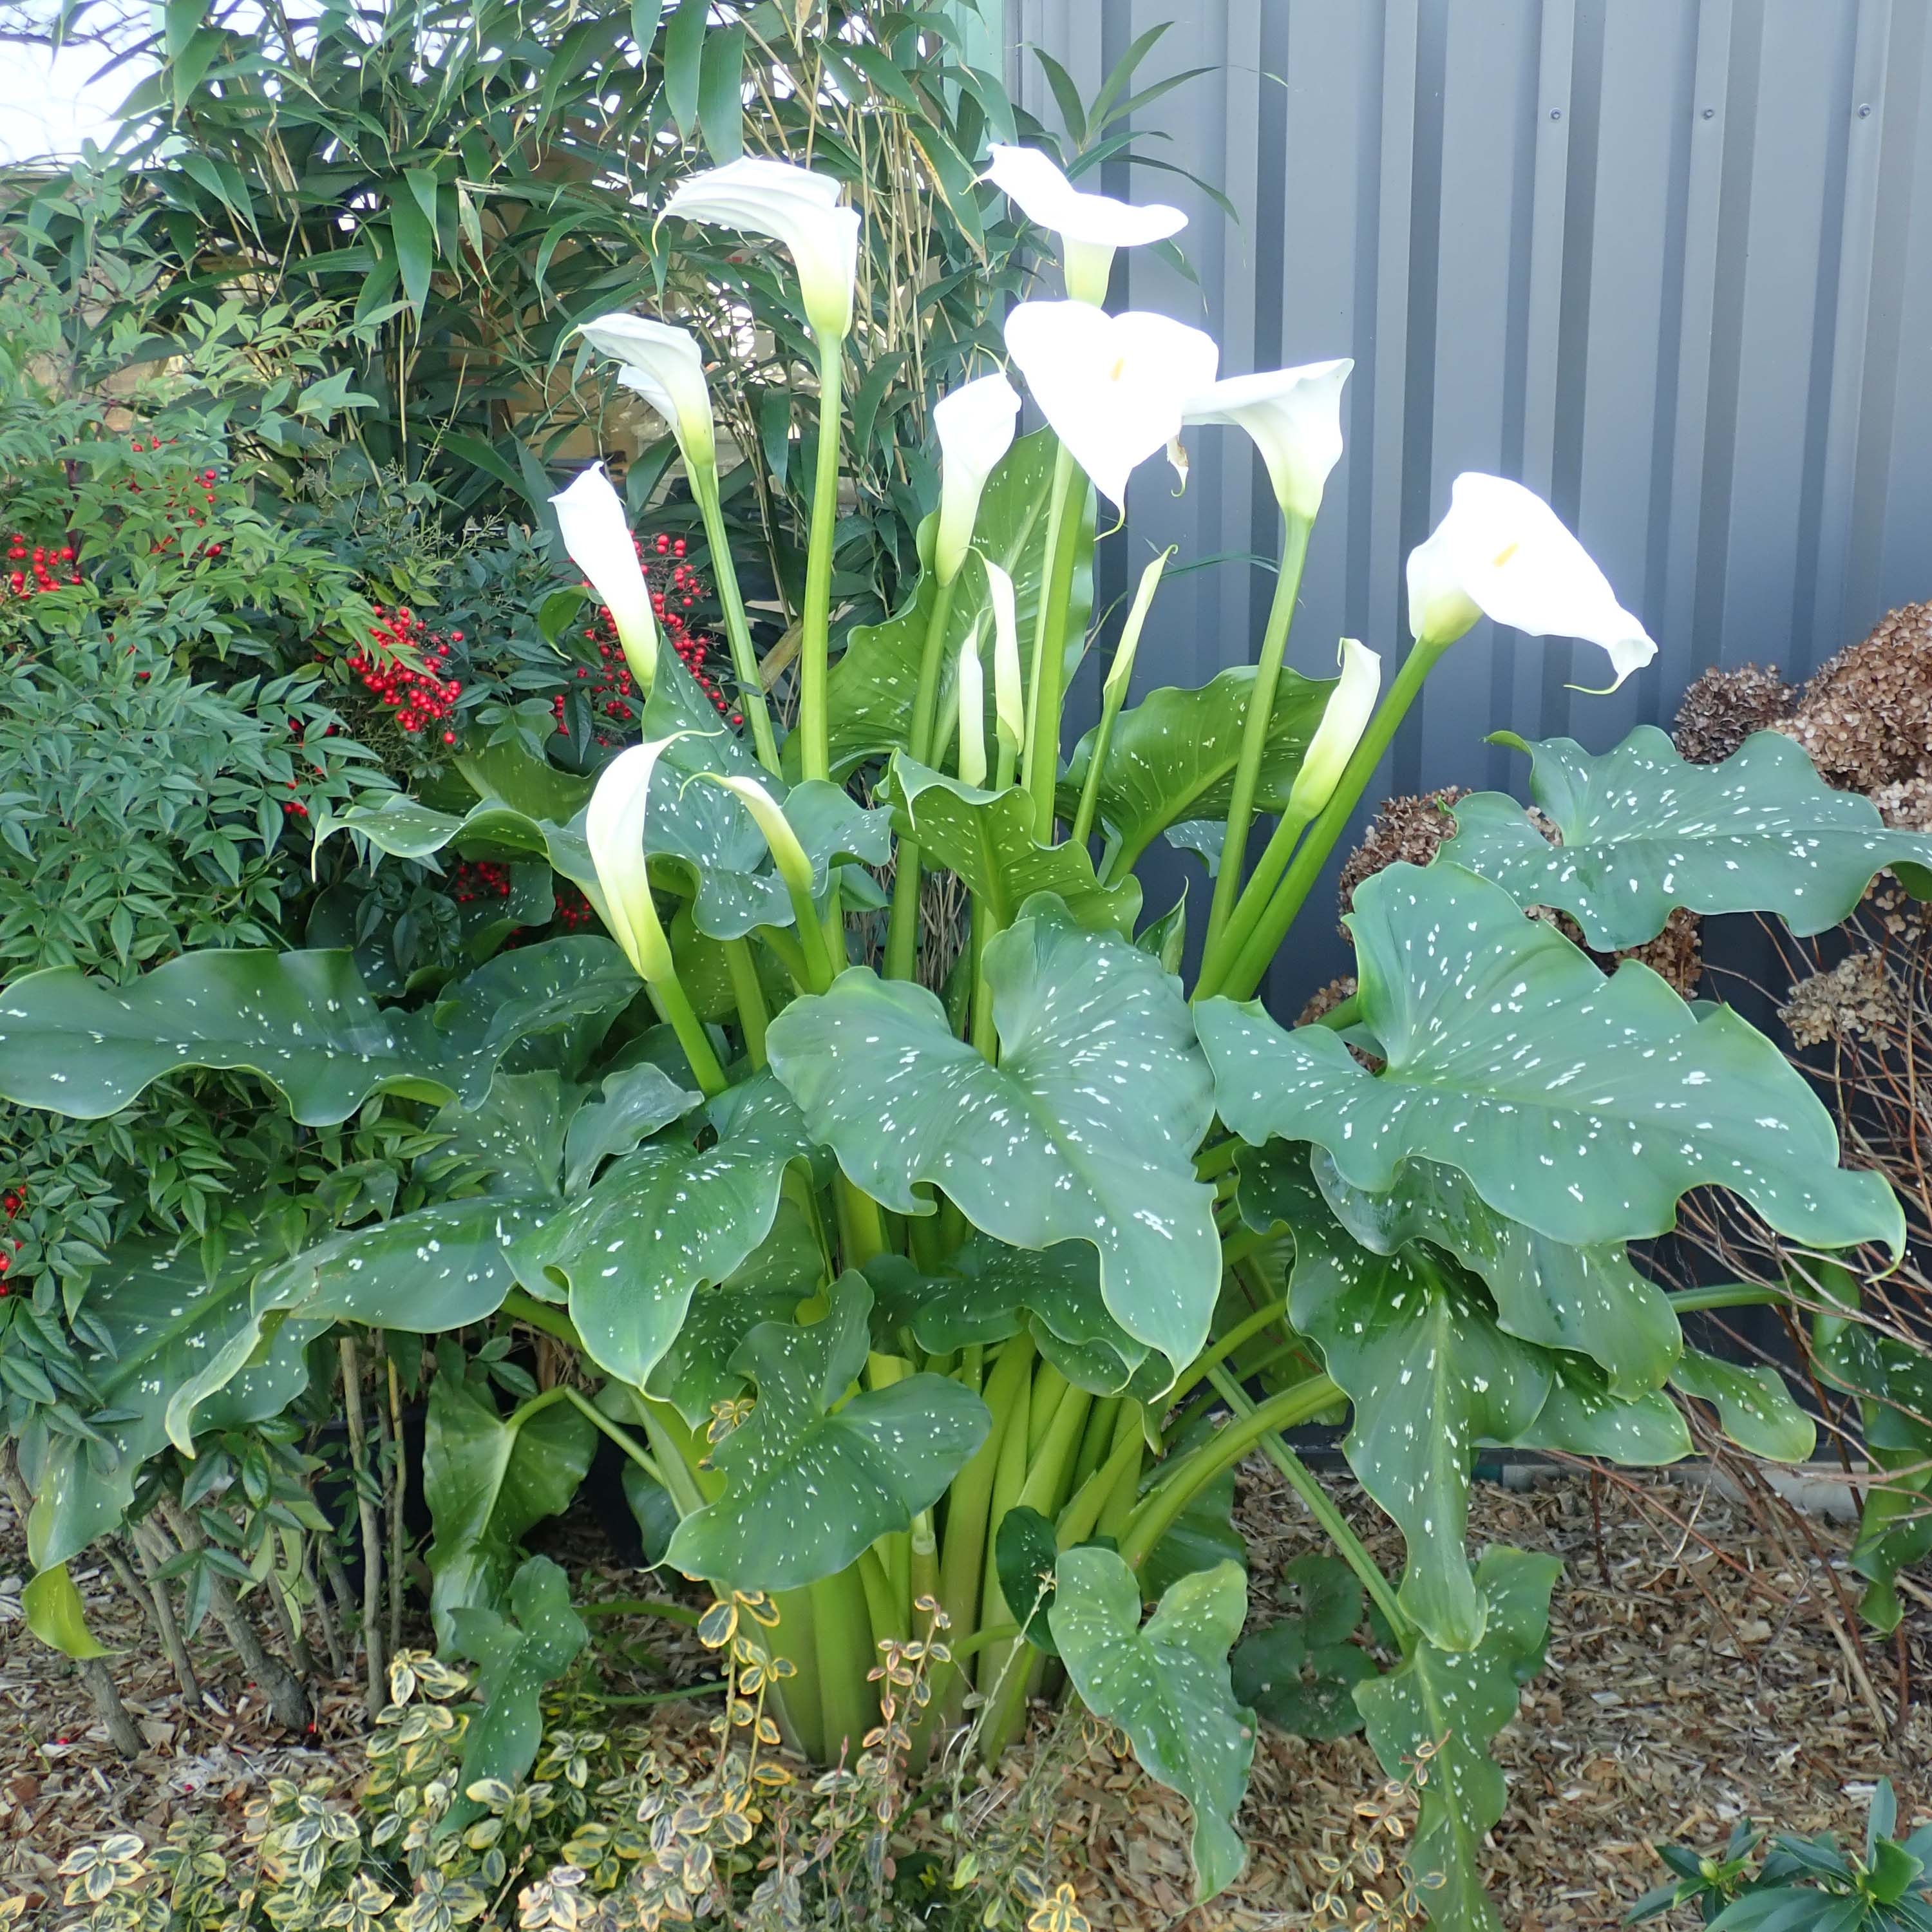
975	1292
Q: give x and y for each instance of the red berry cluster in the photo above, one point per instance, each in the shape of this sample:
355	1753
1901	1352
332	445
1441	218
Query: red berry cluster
13	1201
472	880
573	909
178	492
676	588
418	698
31	572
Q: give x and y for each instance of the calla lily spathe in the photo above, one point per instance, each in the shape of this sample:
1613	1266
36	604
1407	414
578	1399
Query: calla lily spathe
590	514
974	424
665	365
1090	226
797	208
614	829
1115	387
1344	717
1009	695
1295	417
972	714
1502	552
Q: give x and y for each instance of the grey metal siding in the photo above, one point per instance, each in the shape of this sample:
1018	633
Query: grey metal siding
1669	262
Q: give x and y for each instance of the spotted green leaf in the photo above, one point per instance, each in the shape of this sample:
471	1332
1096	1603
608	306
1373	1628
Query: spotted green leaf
872	685
1414	1341
1582	1417
1645	830
154	1306
76	1045
1588	1299
520	1654
695	1372
405	828
630	1252
634	1103
1754	1406
813	1478
488	1479
1460	1700
1084	1131
1165	1683
1579	1105
1172	757
987	839
989	1290
441	1266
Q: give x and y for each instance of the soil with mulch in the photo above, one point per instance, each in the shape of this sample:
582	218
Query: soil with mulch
1701	1669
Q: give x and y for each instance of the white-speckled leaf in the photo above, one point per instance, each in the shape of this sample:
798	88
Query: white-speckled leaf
487	1480
1581	1105
695	1372
405	828
513	1138
1466	1697
1165	1684
153	1301
986	838
1754	1406
635	1102
439	1267
990	1289
1588	1299
1172	756
76	1044
1085	1131
546	1005
1645	830
1414	1343
631	1252
809	1487
1582	1417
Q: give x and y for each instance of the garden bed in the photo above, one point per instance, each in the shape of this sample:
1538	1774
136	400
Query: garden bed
1702	1681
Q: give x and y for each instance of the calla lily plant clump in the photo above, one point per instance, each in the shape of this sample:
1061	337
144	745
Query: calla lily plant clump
968	1297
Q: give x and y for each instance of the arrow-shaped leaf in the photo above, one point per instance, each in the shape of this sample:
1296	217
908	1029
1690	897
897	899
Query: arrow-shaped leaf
1465	1698
631	1253
1582	1106
986	838
1645	830
812	1477
1165	1684
1084	1131
1754	1406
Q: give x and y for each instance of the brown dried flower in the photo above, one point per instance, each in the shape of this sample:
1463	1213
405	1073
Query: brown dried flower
1858	995
1723	705
1866	717
1411	829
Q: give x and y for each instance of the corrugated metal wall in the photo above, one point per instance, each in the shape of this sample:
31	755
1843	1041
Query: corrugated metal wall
1669	262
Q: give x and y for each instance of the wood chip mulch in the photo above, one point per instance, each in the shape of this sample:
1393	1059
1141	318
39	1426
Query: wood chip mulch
1701	1682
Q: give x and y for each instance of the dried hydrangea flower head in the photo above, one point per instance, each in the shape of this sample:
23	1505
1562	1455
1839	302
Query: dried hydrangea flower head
1723	705
1865	718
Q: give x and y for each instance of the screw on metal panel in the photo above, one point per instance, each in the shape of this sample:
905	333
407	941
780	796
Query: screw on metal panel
1864	109
1556	114
1710	114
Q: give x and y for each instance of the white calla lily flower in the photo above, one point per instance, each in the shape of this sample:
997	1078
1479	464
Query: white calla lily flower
1295	418
1115	387
665	365
1344	717
974	424
794	207
1090	226
1009	696
613	828
597	534
1503	552
972	714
